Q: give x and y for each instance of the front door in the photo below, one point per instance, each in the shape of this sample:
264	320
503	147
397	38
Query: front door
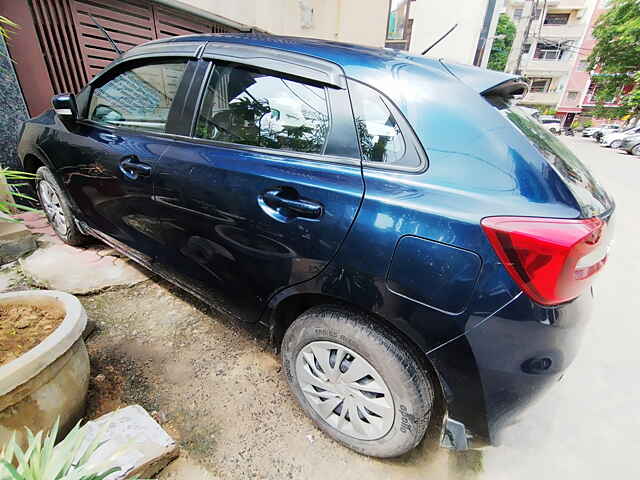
254	202
107	169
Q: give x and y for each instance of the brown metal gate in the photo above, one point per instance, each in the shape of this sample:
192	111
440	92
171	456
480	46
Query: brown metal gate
129	23
74	50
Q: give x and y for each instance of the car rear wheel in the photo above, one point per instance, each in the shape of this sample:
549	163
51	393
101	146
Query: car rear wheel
358	381
635	150
616	144
56	208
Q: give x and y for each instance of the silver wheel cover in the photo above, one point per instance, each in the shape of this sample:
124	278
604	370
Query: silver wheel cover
345	390
52	207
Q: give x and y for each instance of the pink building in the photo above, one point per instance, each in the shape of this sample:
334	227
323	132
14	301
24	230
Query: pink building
578	96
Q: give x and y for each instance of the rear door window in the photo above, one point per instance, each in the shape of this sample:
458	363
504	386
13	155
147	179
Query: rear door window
263	109
139	98
381	140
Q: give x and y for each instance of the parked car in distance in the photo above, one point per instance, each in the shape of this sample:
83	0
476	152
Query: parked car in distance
614	140
587	132
604	130
551	123
411	241
631	144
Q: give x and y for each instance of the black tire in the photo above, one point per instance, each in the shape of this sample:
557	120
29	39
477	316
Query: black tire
72	234
616	144
635	150
396	363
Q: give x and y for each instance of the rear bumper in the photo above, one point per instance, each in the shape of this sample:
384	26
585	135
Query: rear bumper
497	369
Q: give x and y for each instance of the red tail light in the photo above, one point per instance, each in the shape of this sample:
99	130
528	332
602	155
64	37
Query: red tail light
552	260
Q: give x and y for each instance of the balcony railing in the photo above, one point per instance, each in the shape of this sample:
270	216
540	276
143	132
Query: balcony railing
541	98
572	30
550	65
566	4
590	99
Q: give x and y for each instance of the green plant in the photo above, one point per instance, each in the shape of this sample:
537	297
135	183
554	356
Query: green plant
505	33
10	181
69	460
5	24
615	59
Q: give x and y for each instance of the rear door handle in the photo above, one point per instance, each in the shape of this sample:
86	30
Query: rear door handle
286	204
133	168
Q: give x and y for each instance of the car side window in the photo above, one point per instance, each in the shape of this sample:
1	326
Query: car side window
252	107
381	140
138	98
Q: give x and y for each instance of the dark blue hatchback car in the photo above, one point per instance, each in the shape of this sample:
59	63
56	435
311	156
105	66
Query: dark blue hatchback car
420	250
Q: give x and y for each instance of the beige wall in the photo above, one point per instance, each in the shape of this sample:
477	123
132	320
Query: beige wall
357	21
433	19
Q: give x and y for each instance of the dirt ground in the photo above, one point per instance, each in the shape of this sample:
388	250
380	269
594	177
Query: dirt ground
216	386
23	326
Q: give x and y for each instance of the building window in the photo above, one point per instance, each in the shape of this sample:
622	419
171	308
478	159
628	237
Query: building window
556	19
398	25
546	51
526	47
540	85
517	13
572	96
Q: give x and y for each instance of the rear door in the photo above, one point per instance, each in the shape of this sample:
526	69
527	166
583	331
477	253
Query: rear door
265	190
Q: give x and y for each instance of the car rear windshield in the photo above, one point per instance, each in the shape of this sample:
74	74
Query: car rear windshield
591	197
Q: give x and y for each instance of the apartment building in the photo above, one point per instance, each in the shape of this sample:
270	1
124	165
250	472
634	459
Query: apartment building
548	42
578	98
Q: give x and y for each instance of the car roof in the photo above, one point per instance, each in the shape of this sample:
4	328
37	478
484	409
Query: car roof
358	61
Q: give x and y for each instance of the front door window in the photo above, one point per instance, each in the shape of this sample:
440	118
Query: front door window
138	98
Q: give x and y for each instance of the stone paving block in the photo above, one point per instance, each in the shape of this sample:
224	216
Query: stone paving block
16	240
133	441
79	271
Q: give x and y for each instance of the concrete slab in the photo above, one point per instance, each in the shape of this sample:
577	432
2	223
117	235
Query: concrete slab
16	240
133	441
79	271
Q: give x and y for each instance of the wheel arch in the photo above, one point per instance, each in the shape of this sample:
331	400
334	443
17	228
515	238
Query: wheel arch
32	162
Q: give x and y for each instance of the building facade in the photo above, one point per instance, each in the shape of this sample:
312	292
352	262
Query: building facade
548	40
551	49
577	100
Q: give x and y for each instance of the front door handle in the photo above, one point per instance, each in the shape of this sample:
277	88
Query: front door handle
285	203
133	168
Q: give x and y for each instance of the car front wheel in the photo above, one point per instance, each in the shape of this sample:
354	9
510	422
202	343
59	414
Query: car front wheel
358	381
616	144
56	208
635	150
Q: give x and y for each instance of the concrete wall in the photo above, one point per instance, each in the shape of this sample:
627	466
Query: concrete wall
433	19
356	21
13	110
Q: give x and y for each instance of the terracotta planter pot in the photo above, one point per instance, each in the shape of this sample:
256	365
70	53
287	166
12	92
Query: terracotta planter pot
51	379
